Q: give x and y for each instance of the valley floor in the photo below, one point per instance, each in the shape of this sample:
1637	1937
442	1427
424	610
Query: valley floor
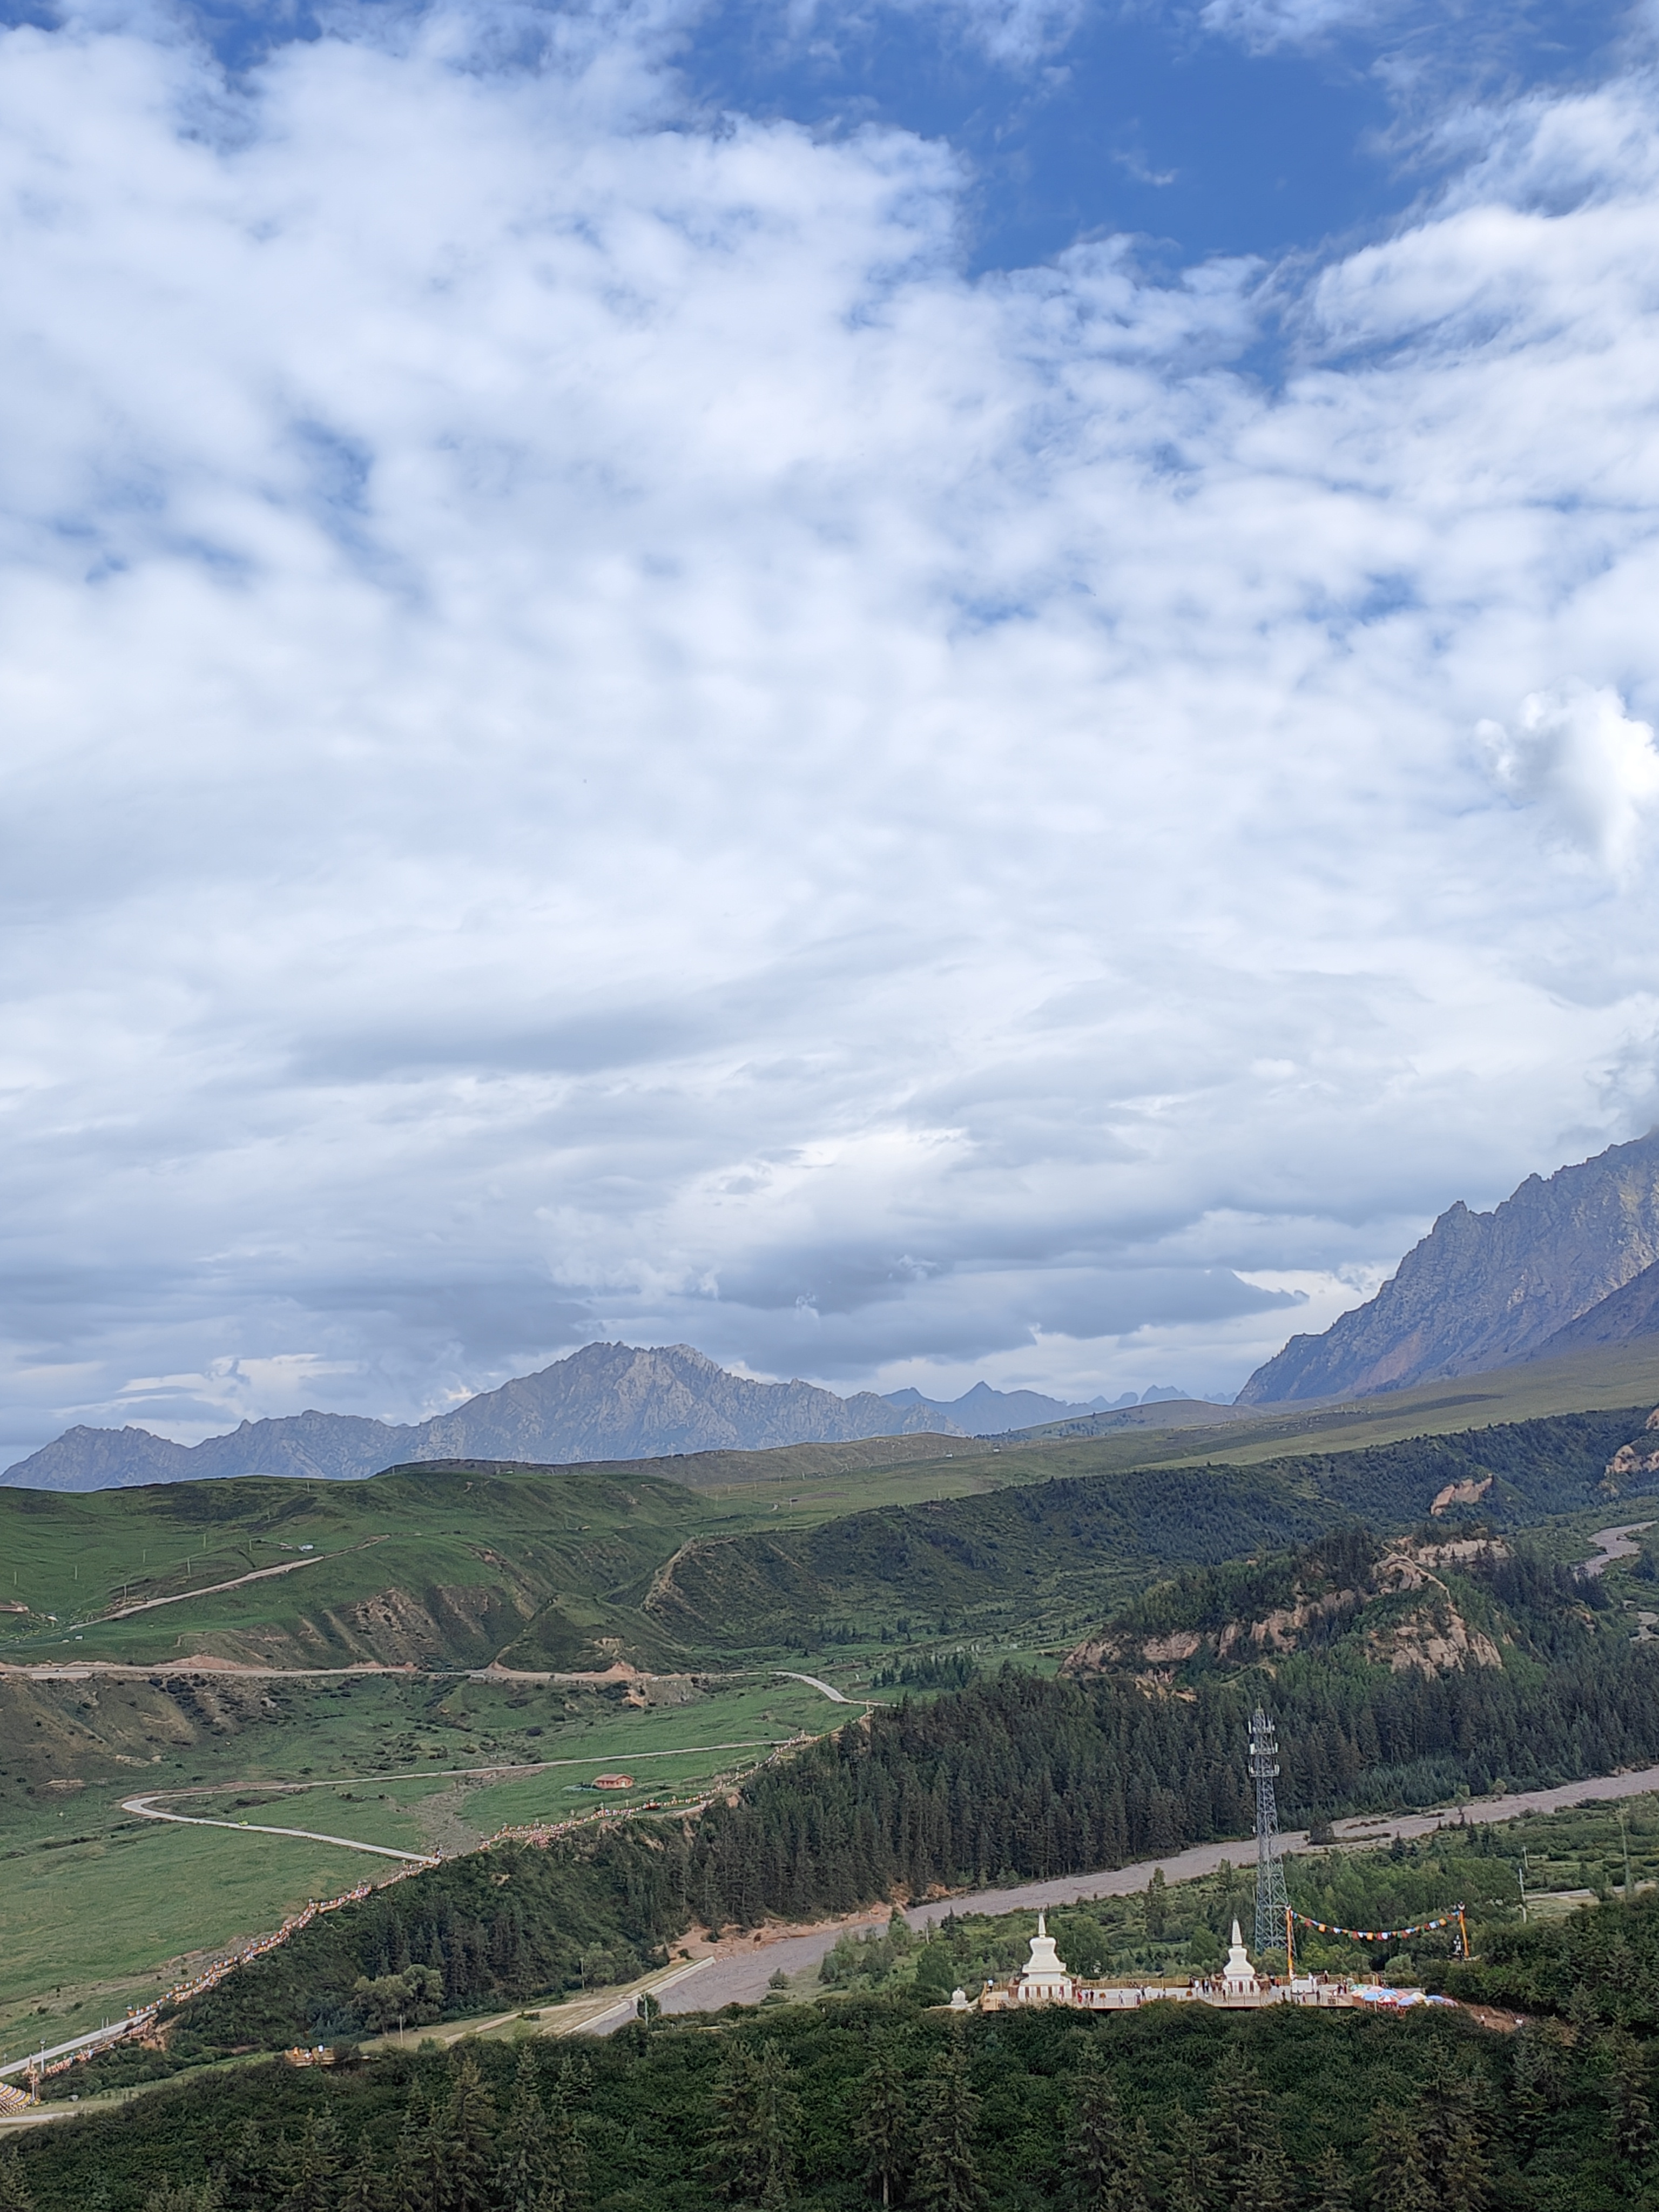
103	1909
741	1969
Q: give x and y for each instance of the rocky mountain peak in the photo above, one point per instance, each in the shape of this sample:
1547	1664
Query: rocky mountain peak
1527	1280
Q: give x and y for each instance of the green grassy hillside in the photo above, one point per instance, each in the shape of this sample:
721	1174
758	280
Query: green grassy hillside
1038	1560
432	1565
450	1564
575	1570
98	1902
1023	1560
1602	1380
425	1565
426	1572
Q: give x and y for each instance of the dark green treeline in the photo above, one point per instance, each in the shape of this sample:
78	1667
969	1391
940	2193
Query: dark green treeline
861	2102
1017	1776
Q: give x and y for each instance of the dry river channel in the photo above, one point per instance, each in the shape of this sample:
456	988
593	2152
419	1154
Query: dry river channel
738	1972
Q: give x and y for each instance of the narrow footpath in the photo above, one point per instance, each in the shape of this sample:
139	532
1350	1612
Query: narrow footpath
147	1809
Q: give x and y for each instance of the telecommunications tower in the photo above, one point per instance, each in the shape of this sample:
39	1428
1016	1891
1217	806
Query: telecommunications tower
1271	1902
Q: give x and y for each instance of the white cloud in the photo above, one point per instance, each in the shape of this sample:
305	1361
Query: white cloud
597	742
1014	33
1577	754
1262	25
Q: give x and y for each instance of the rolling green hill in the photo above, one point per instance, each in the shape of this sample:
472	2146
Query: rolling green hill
450	1564
1598	1379
419	1575
435	1566
575	1569
1037	1559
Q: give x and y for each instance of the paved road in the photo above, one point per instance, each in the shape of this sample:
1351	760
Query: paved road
740	1977
618	2015
54	2051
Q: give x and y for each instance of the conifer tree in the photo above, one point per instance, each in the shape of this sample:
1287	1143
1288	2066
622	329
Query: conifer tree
1449	2126
244	2173
1330	2186
540	2168
419	2162
1264	2182
567	2180
1539	2077
367	2187
1094	2136
15	2194
1191	2178
1627	2086
316	2165
465	2142
1133	2186
757	2128
1112	2164
1401	2180
1242	2130
881	2127
947	2172
1156	1905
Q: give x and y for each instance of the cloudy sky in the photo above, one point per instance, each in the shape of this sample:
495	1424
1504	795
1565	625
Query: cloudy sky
912	689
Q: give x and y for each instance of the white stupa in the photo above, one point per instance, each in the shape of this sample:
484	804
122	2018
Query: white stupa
1238	1977
1046	1979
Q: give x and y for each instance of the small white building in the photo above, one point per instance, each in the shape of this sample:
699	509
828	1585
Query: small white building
1238	1977
1045	1978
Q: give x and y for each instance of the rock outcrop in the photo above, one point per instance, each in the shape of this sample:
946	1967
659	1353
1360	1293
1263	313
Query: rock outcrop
1400	1612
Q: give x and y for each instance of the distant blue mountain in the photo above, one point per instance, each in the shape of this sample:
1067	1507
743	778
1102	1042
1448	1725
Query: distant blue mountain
608	1401
983	1412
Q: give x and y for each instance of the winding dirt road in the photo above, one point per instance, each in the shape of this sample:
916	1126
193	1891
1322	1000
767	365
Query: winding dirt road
210	1589
147	1809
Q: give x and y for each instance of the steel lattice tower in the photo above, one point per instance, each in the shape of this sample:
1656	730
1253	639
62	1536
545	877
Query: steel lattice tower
1271	1901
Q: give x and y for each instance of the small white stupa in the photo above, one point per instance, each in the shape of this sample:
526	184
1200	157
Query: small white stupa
1046	1979
1238	1977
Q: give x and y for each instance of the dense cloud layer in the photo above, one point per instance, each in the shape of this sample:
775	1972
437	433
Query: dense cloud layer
599	743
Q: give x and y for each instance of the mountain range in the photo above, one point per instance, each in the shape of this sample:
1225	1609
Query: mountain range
607	1401
983	1412
1566	1264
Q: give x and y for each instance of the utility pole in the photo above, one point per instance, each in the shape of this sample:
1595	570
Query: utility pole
1624	1837
1271	1903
